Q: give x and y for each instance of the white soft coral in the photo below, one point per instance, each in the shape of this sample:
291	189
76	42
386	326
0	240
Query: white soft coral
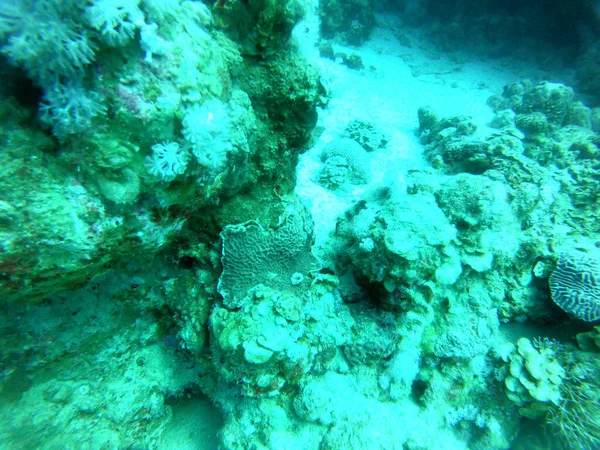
167	161
117	20
207	129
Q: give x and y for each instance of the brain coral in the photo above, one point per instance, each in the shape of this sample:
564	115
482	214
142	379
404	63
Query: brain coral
574	285
345	158
253	255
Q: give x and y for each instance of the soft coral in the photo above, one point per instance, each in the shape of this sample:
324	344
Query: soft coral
117	20
70	108
46	38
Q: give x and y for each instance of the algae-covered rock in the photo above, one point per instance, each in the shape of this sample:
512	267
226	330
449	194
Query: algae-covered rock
91	345
351	20
555	101
532	123
365	134
55	232
589	341
466	336
541	172
395	239
262	27
273	339
450	143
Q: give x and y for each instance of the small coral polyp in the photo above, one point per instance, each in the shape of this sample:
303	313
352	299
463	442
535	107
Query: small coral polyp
167	161
206	128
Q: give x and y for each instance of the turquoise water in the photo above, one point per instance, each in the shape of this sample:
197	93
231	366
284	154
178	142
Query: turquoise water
260	224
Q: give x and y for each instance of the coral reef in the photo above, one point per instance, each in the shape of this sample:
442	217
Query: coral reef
154	252
156	123
140	144
462	249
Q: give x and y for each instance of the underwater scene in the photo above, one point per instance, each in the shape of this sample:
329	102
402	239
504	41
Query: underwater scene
300	225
